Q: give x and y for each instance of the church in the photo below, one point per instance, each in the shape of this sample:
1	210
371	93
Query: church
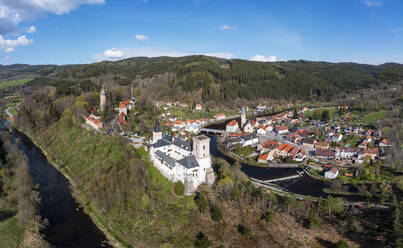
179	160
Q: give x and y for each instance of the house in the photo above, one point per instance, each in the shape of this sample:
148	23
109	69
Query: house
372	153
346	152
122	119
232	126
249	139
254	124
198	107
332	173
94	121
324	153
294	151
178	160
295	137
248	128
261	107
219	116
337	137
281	129
368	138
384	143
264	158
322	145
262	130
363	144
232	141
122	108
308	142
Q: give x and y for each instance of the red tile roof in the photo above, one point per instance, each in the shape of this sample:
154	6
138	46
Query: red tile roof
264	156
232	123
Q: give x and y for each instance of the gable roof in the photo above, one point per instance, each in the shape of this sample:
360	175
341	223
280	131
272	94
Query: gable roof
189	162
165	158
232	123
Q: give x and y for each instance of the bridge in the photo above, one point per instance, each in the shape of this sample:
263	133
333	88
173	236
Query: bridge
210	130
299	173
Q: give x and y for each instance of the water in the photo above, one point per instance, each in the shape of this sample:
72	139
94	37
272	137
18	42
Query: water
68	225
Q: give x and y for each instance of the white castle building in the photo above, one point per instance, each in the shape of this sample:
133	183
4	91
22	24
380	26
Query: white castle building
179	160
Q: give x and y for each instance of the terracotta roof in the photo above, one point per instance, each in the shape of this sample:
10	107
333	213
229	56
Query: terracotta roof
281	147
282	128
122	105
264	156
288	148
232	123
220	115
122	120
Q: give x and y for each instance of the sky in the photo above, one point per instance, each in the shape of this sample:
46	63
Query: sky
87	31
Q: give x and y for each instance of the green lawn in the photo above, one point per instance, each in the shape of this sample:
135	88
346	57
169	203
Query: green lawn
374	116
10	233
243	151
5	84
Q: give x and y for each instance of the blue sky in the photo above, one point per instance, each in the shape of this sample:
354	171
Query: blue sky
86	31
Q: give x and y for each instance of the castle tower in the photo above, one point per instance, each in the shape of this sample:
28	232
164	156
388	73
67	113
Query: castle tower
201	147
157	133
102	100
243	117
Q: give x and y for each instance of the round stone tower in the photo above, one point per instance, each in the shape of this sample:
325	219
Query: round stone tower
102	99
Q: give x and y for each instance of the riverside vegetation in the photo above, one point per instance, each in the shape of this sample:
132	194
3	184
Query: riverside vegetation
20	222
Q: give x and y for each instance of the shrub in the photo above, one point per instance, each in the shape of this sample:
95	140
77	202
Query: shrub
268	216
179	188
243	230
201	201
216	213
342	244
313	221
202	241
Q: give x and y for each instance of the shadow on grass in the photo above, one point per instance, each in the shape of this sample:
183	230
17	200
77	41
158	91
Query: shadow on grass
325	243
4	215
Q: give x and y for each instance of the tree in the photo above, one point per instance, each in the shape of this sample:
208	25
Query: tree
216	213
313	221
201	201
179	188
268	216
342	244
202	241
335	205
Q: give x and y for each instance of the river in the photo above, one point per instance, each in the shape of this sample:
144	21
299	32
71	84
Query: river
68	225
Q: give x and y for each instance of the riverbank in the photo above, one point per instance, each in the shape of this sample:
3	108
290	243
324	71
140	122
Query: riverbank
79	196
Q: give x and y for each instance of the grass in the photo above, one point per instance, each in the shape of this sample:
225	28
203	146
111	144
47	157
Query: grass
11	234
152	217
374	116
332	112
6	84
243	151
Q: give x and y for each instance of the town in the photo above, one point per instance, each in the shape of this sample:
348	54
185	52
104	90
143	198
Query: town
328	142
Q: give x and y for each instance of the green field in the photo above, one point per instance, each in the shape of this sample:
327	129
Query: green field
5	84
374	116
188	114
10	233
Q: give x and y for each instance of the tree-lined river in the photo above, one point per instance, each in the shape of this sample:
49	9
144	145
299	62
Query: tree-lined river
68	225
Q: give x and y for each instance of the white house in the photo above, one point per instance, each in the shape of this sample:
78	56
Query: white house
337	137
332	173
247	128
178	160
232	126
249	139
282	130
93	121
219	116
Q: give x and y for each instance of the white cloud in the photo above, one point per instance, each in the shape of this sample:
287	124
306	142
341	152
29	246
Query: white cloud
115	54
227	27
141	37
12	12
262	58
9	45
370	4
31	29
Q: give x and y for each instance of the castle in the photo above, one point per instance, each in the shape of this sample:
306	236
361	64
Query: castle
179	160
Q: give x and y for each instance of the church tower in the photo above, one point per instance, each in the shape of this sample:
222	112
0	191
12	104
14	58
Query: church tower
157	133
243	117
102	100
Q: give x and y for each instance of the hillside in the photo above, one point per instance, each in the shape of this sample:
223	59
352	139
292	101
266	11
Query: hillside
202	78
